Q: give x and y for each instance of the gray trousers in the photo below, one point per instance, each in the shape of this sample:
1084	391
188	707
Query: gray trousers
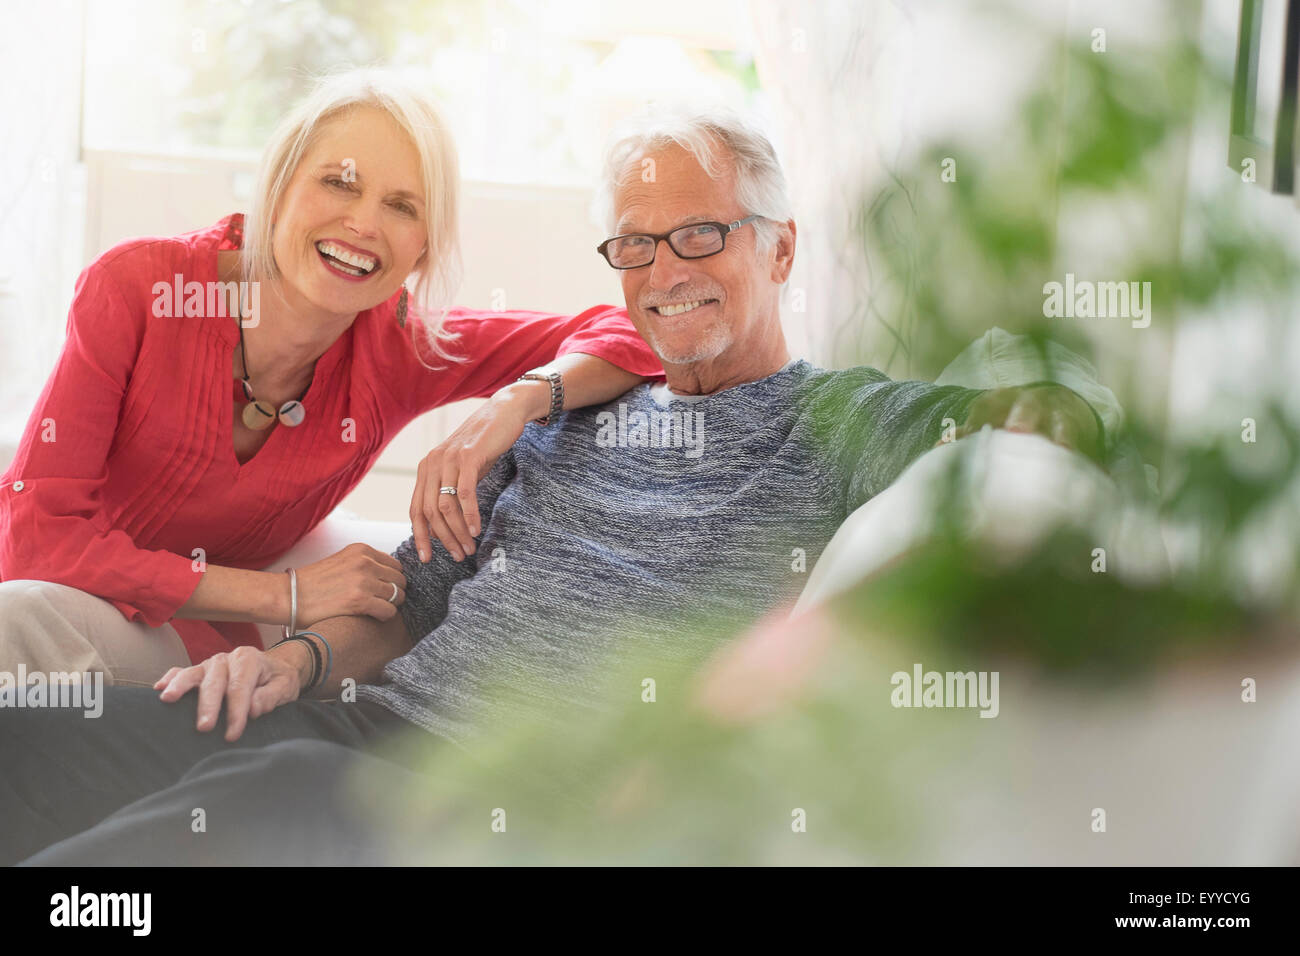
140	786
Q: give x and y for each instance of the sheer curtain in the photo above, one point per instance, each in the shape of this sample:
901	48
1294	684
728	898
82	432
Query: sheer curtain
41	201
831	72
857	90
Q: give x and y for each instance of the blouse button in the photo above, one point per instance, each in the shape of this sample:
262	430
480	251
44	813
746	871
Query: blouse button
18	486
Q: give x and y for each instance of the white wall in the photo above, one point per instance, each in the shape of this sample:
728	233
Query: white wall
41	202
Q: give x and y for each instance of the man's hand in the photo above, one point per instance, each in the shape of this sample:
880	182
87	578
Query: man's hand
1052	411
251	682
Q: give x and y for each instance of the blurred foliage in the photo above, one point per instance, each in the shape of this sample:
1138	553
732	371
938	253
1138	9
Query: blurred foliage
677	782
1111	133
950	259
662	783
738	65
1050	609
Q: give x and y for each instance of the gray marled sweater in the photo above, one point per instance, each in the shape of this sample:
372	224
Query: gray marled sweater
621	522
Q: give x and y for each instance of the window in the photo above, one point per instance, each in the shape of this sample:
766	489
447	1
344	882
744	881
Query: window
530	88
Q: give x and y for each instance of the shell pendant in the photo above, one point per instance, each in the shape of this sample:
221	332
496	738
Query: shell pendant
258	415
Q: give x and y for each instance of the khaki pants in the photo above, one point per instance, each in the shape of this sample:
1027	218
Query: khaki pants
52	627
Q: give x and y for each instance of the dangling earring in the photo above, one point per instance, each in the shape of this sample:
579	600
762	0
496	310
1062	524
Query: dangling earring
401	310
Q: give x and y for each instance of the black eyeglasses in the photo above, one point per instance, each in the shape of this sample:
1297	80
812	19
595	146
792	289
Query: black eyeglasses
692	241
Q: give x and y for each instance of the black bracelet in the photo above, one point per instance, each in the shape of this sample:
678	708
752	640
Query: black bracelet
315	662
315	658
329	655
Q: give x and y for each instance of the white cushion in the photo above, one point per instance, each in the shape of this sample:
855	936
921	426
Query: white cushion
1019	488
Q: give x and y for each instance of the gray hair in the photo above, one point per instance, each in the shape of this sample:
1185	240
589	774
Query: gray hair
760	183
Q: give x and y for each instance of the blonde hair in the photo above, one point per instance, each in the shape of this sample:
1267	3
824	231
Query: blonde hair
438	275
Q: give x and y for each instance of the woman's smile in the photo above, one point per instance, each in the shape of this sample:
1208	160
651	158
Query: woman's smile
347	261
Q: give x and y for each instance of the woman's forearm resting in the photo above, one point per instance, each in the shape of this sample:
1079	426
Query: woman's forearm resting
588	380
234	594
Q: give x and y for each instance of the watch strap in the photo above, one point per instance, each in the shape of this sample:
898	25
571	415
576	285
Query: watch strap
556	382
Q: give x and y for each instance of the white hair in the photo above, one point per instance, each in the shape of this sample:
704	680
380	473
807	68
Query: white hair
760	183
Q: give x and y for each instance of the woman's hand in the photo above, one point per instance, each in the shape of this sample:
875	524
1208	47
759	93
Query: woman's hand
251	682
356	580
465	457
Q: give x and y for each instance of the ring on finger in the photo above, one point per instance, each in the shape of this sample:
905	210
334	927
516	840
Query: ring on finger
447	490
393	598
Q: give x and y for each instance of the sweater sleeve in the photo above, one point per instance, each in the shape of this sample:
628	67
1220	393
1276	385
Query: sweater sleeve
428	586
495	348
52	526
875	427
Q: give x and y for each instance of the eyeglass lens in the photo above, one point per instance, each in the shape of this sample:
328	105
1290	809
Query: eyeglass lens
689	242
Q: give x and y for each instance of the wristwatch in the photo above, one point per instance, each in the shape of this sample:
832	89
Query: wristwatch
557	392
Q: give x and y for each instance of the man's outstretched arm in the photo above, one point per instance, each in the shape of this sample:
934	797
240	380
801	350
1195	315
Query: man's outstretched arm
360	647
881	426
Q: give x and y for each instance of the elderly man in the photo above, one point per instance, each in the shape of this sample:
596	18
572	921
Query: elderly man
670	518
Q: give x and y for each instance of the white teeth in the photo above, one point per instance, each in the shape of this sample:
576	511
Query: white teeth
681	307
363	263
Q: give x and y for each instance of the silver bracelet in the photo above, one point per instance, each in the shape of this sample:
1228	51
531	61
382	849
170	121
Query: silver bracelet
292	627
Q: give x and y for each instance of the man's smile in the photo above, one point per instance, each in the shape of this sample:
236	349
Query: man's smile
678	308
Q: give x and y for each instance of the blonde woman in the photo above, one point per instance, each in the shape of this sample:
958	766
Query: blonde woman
221	391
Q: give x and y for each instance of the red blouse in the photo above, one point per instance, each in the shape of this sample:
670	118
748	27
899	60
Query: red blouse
128	465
